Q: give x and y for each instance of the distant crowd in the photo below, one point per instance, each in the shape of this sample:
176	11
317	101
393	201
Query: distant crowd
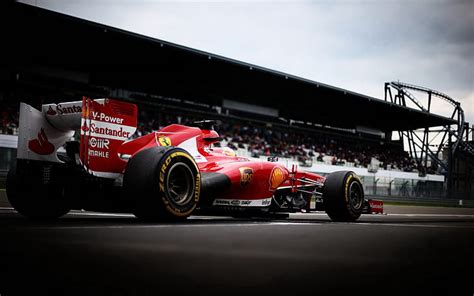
307	148
265	140
9	116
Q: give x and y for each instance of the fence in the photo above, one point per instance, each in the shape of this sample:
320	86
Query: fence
404	188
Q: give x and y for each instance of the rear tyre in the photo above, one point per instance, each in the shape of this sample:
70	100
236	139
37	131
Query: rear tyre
343	196
165	183
37	191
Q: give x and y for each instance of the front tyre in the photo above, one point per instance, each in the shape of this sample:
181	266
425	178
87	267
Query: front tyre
165	183
343	196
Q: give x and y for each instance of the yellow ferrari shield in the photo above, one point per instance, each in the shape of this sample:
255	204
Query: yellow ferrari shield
164	141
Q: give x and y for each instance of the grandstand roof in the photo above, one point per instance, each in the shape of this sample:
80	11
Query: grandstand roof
112	57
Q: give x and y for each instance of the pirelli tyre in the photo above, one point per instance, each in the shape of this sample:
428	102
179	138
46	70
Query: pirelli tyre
37	190
164	182
343	196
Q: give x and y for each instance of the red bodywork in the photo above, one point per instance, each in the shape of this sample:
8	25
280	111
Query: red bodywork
376	206
251	180
107	124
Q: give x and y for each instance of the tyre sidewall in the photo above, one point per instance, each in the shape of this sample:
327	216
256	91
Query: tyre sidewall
145	183
349	180
336	196
170	158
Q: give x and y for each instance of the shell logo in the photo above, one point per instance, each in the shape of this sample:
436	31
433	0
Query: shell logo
276	178
85	108
164	141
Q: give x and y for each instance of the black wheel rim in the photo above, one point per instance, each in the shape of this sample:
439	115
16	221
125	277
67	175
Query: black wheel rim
179	183
355	195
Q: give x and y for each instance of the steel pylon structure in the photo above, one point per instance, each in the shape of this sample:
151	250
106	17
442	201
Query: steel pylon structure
426	145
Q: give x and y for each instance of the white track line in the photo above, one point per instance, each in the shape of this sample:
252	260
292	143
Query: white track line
184	225
389	214
434	215
411	225
98	214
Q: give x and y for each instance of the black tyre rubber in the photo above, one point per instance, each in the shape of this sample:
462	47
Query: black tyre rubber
343	196
165	183
33	197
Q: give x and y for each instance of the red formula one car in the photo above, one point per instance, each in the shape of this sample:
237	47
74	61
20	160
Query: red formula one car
79	155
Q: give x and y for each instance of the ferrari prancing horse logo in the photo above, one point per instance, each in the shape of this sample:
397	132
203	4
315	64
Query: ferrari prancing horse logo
164	141
246	174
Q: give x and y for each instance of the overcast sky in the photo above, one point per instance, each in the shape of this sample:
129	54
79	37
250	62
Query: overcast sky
357	45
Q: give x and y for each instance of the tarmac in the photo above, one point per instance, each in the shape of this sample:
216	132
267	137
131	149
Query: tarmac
410	250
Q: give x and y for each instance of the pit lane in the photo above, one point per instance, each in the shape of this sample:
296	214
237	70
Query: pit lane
100	254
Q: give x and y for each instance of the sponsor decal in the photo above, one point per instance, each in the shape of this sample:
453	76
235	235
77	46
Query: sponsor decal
105	124
246	174
64	110
68	110
243	202
51	111
110	131
276	177
100	154
85	109
84	127
346	188
106	118
41	145
163	140
99	143
376	206
222	202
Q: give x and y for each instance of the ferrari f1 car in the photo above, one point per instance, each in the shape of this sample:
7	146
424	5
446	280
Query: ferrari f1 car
168	174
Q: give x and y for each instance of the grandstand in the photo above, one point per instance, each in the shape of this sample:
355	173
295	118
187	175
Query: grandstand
263	112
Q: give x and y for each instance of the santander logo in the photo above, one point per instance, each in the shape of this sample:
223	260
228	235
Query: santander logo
51	111
84	127
64	110
41	145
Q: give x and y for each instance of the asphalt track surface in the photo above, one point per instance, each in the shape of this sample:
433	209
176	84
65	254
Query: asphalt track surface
88	253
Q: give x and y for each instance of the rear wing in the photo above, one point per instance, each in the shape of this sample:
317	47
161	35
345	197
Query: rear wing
103	125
